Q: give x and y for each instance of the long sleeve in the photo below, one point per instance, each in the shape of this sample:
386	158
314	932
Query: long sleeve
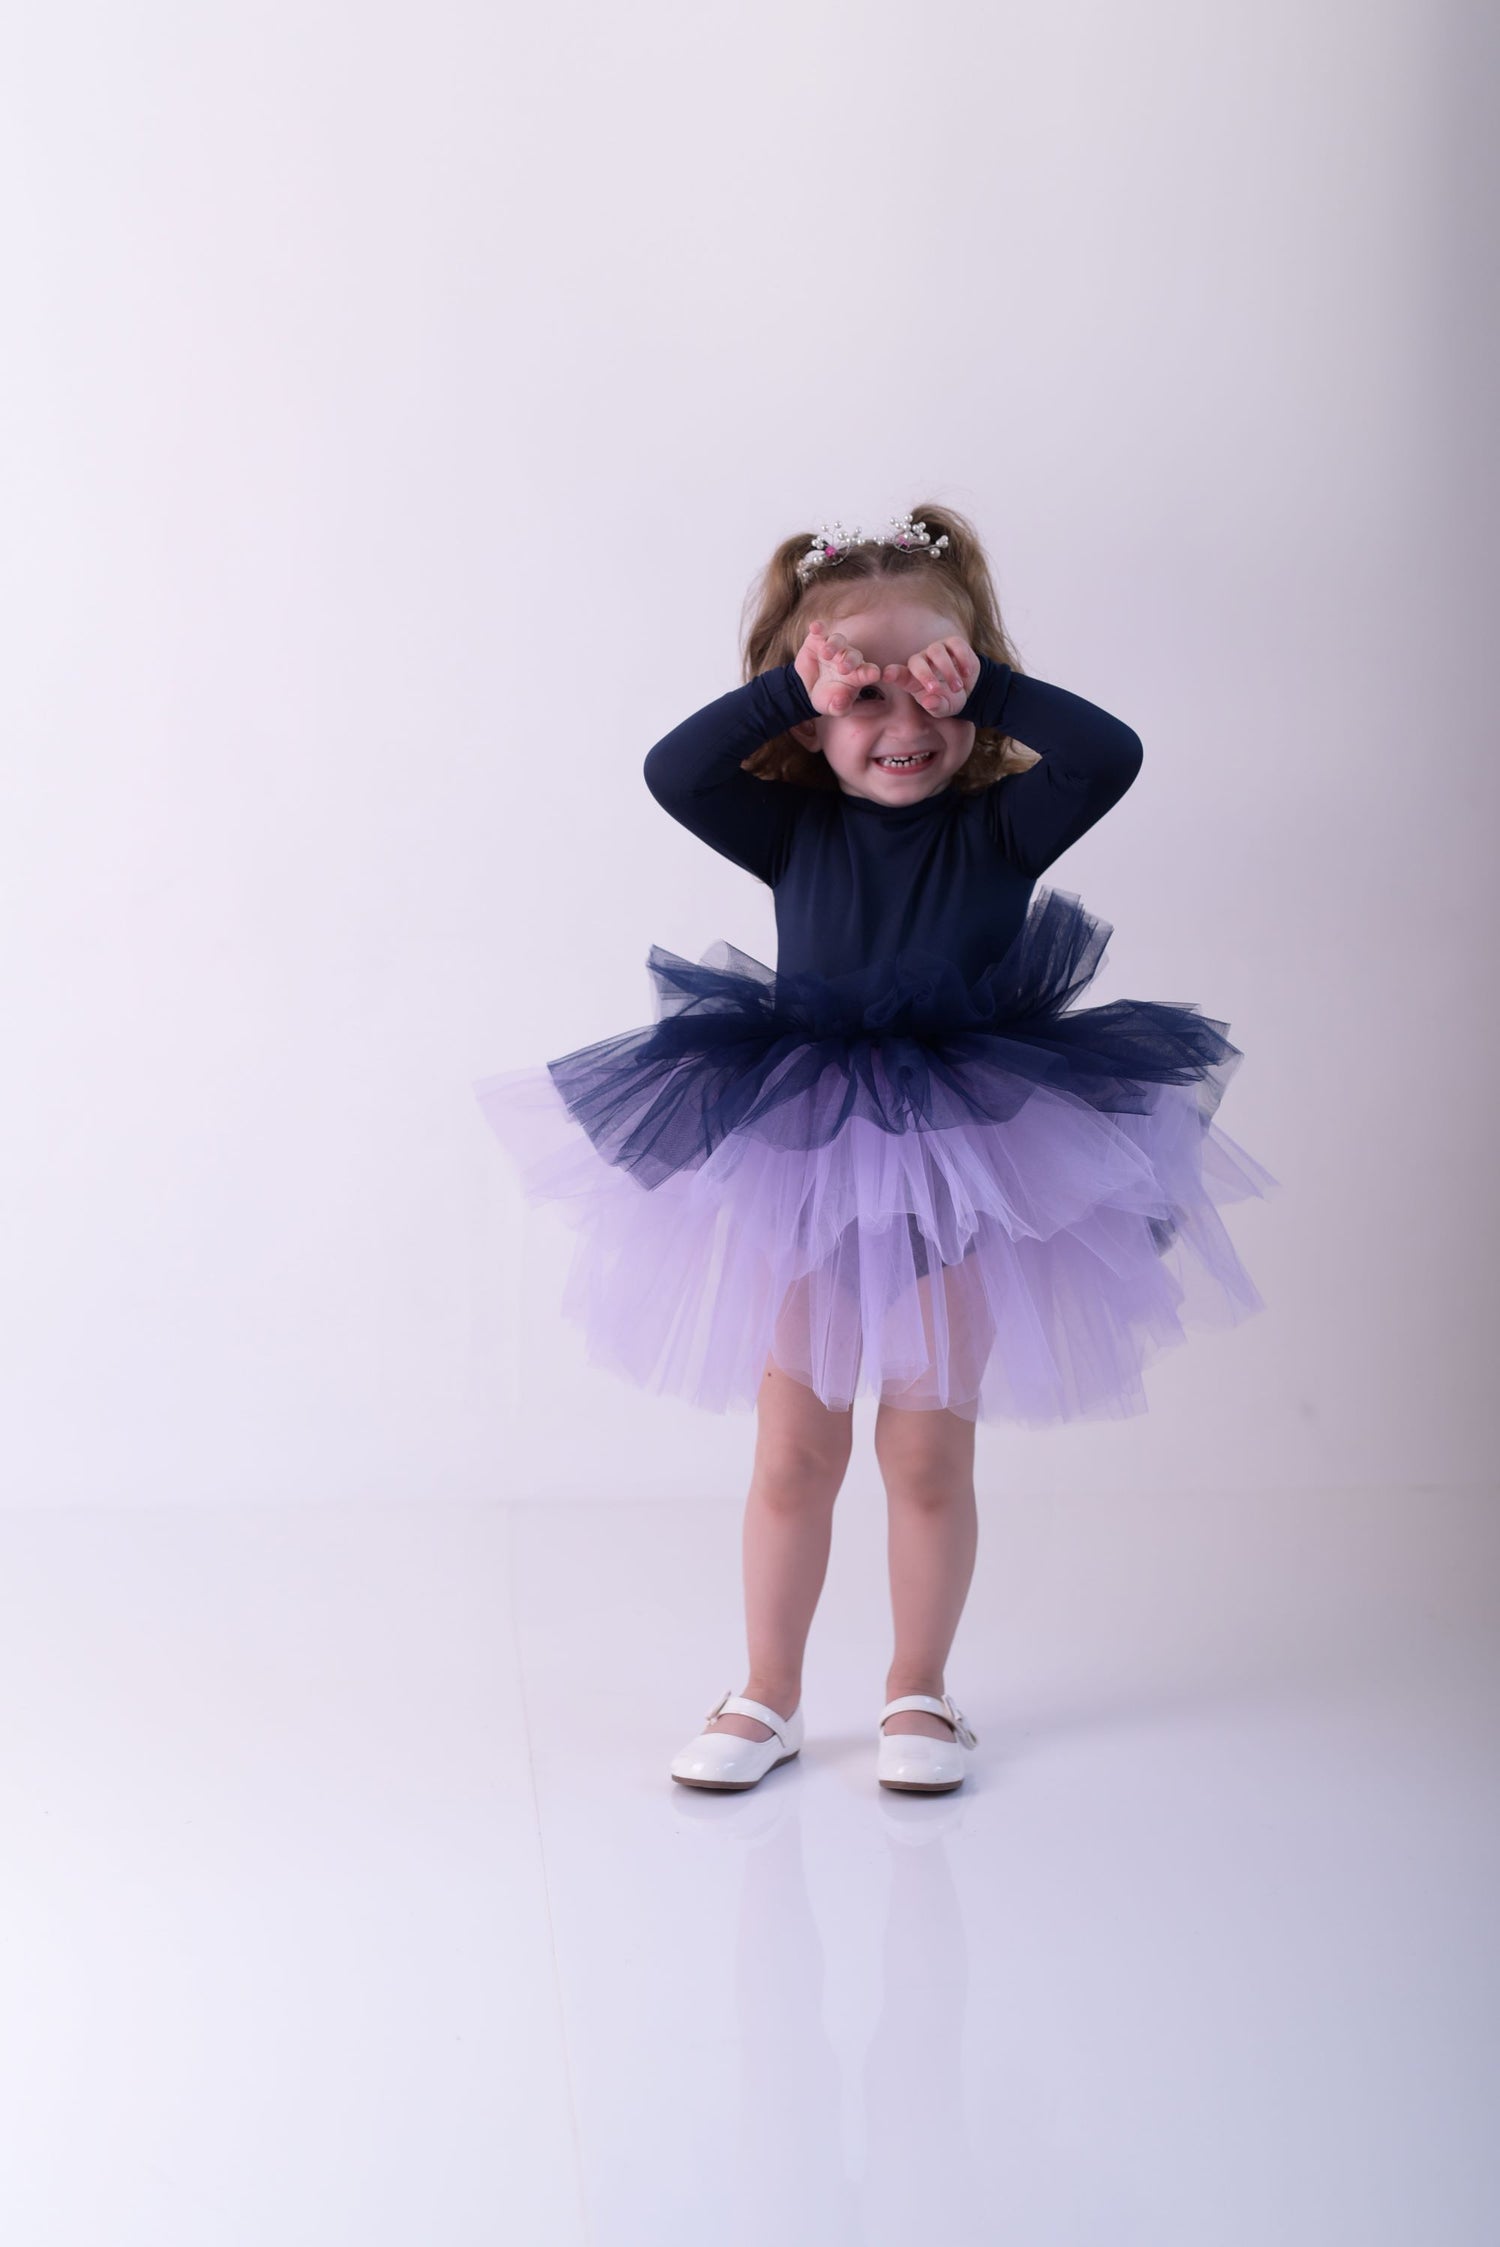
694	772
1089	759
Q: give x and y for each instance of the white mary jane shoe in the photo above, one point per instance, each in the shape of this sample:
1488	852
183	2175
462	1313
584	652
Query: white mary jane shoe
917	1764
725	1759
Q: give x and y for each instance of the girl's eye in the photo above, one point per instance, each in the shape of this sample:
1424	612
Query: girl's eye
864	691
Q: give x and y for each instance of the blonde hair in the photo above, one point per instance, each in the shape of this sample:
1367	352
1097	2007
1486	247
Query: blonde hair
780	607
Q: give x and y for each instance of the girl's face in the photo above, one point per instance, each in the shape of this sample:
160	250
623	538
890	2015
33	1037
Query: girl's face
885	722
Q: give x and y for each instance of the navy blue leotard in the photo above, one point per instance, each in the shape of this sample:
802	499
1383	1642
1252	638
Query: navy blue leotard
858	882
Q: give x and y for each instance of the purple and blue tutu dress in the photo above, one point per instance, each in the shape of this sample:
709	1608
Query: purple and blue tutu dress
888	1173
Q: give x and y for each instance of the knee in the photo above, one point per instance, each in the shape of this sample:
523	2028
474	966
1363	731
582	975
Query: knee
793	1479
925	1476
926	1459
924	1490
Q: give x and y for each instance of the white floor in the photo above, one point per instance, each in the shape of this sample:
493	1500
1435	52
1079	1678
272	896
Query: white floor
346	1899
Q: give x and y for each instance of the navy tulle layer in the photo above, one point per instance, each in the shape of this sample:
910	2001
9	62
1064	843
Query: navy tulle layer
737	1046
969	1195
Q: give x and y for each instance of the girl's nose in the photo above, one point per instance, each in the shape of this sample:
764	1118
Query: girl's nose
911	724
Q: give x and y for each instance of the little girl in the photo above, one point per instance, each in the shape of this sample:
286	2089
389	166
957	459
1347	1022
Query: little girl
902	1161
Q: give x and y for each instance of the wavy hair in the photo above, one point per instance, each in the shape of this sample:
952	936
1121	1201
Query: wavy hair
779	608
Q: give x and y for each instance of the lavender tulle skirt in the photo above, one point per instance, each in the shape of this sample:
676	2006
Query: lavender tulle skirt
971	1196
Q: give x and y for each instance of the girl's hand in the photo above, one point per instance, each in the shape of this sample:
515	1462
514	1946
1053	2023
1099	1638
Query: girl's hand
832	671
942	677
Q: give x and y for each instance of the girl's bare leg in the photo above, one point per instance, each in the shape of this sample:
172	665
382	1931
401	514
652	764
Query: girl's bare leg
926	1462
801	1453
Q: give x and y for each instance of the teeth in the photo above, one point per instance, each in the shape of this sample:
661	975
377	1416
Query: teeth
899	764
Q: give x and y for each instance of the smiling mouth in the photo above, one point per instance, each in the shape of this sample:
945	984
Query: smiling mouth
915	763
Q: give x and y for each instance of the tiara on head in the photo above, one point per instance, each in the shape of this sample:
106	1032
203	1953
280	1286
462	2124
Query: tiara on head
831	542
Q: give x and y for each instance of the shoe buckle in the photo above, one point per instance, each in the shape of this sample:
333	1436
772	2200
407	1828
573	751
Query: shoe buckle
718	1705
967	1738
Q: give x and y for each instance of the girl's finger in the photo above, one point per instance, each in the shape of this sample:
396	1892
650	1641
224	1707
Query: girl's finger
945	669
932	690
937	663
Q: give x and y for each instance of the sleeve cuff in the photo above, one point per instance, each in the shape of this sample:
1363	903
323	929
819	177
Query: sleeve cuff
786	694
986	704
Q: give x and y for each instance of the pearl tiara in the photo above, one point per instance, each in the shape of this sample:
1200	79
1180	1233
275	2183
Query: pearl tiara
831	542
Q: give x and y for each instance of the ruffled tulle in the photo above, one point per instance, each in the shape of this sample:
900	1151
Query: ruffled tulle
967	1195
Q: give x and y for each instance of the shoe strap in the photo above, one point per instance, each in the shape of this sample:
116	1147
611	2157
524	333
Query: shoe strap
945	1708
737	1705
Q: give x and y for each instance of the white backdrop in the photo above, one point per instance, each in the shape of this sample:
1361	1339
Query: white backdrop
399	401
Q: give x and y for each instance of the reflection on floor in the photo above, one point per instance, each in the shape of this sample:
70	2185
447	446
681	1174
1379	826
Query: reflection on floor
347	1898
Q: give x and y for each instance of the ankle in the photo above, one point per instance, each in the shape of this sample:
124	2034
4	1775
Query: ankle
900	1683
781	1694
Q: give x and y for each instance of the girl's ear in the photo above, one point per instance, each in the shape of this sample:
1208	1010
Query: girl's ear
805	733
